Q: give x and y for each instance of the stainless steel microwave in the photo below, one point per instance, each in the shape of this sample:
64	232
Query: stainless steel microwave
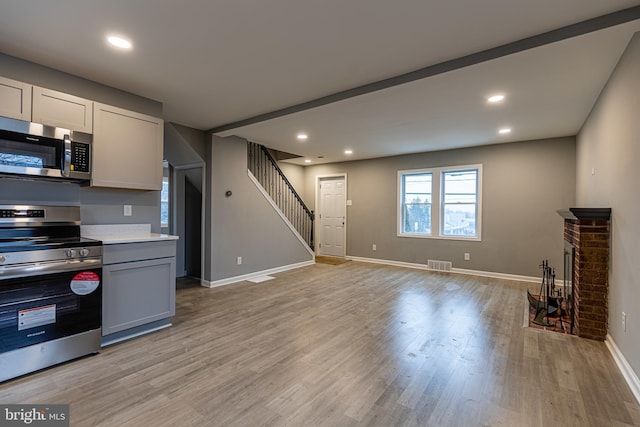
32	149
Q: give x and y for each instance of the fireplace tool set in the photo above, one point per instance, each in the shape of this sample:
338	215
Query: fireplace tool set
551	303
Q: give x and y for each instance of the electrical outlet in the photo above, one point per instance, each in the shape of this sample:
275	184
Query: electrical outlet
128	210
239	261
624	321
467	256
373	247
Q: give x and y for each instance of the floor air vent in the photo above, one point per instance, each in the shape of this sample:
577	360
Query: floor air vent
439	265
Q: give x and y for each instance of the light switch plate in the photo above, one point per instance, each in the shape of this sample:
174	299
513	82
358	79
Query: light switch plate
128	210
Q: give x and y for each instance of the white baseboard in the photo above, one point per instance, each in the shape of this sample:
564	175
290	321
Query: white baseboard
491	274
627	371
496	275
253	275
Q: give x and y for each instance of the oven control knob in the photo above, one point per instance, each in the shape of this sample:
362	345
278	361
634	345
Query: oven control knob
2	259
84	252
71	253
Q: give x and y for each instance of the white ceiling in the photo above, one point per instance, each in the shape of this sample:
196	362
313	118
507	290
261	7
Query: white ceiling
215	62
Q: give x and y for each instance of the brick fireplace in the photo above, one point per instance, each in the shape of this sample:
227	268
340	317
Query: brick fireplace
586	236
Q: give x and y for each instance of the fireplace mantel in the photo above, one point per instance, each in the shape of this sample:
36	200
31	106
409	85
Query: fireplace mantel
586	214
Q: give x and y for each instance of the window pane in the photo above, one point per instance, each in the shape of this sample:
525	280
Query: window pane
164	214
460	200
417	219
416	203
164	202
417	188
459	220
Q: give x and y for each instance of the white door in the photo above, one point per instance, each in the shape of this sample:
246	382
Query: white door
332	217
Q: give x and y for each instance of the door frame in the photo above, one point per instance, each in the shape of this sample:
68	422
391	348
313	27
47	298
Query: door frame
173	206
317	230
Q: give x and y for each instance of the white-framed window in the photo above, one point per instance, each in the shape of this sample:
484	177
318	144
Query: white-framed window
444	202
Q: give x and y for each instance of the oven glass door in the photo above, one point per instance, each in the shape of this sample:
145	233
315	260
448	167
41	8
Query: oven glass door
43	308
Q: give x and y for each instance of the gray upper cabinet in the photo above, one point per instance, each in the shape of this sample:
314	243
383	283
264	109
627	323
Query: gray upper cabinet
15	99
127	149
62	110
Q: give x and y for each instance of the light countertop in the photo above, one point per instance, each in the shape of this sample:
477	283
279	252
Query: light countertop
111	234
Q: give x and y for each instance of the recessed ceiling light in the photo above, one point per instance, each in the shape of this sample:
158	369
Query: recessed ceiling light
307	161
495	98
120	42
504	131
303	136
348	151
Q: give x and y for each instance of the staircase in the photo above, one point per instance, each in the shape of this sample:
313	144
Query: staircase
266	171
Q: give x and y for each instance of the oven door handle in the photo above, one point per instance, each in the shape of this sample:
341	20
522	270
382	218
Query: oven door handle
41	268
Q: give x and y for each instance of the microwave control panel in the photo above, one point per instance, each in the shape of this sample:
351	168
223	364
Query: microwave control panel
80	161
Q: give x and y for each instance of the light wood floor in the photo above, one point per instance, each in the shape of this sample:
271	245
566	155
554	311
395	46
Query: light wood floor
353	344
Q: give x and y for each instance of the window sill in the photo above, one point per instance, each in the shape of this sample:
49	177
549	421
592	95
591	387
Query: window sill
461	238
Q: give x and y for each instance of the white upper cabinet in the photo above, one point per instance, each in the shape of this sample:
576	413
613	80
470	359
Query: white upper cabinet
62	110
127	149
15	99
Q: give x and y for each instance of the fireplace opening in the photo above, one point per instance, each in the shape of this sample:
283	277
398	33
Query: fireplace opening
567	281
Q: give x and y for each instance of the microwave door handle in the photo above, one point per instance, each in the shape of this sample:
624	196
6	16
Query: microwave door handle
66	160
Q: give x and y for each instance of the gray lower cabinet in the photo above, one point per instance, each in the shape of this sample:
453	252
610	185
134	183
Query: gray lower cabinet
139	286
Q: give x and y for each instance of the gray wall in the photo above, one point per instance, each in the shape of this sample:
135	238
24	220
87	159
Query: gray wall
98	206
36	74
24	191
106	206
609	143
295	175
207	200
183	146
194	137
523	185
244	224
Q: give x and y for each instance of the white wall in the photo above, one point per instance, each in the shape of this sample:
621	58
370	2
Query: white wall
607	175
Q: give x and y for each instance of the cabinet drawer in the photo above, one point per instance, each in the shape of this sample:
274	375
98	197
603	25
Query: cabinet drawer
128	252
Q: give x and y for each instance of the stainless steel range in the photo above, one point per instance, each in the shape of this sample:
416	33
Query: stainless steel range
50	289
